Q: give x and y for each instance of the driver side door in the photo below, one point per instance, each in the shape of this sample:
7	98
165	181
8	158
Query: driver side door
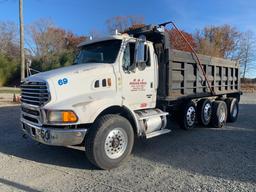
138	86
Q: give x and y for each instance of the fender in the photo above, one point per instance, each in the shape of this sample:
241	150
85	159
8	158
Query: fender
99	106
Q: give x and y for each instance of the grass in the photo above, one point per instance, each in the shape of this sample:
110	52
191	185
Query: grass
248	87
9	90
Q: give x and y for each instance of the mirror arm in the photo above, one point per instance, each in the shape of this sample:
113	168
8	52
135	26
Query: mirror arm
146	51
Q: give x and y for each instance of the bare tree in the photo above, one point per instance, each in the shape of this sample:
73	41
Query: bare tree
9	39
50	39
122	23
38	32
53	46
218	41
246	53
227	42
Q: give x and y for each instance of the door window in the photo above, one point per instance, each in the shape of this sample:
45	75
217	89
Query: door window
128	57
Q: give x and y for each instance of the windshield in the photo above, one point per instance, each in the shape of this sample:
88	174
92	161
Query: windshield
100	52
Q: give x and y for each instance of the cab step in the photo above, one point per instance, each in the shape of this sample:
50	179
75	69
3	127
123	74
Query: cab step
157	133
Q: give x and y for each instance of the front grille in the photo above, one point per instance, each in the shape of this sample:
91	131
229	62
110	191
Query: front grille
34	120
34	93
31	114
30	111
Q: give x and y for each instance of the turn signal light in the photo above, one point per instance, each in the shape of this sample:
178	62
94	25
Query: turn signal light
61	117
69	116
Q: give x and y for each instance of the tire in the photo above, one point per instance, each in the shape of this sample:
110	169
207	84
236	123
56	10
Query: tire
219	114
188	116
204	111
109	141
233	109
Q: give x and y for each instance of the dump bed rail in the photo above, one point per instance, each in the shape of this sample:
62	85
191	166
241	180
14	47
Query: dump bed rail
185	79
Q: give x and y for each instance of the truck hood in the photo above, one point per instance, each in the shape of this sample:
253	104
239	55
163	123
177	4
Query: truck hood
68	70
76	81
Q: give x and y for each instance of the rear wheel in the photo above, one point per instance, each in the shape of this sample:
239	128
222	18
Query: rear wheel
219	114
204	111
109	141
188	116
233	109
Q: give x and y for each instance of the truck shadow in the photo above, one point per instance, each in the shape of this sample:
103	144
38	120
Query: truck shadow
228	153
13	143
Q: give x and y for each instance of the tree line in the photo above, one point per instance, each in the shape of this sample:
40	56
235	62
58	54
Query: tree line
224	41
49	46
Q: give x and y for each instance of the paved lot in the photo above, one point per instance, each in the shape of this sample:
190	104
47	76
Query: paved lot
205	159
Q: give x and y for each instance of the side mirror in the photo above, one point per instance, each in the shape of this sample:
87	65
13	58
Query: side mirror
132	67
140	53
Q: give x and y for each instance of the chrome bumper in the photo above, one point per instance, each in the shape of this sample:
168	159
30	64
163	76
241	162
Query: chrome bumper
50	136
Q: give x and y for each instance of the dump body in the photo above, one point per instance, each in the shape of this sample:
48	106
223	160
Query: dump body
184	78
180	75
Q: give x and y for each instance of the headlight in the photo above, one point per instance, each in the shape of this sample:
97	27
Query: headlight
61	117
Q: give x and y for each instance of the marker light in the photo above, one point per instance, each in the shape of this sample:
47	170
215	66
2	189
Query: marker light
109	82
62	117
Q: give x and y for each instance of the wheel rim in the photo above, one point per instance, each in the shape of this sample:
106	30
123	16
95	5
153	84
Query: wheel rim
116	143
222	114
191	115
207	111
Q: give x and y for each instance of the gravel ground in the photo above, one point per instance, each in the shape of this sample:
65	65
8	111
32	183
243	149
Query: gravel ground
204	159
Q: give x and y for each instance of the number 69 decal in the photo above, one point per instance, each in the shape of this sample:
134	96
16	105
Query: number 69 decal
62	81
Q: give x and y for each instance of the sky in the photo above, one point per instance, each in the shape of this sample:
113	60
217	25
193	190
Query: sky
84	16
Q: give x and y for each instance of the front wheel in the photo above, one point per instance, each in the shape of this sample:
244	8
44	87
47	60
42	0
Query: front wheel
109	141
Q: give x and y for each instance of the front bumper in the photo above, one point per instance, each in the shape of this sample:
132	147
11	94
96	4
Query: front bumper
51	136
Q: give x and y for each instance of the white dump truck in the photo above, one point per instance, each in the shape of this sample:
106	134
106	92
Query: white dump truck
125	86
